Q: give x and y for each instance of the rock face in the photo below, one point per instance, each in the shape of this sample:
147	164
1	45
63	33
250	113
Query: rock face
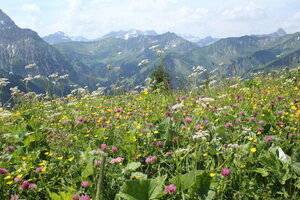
21	47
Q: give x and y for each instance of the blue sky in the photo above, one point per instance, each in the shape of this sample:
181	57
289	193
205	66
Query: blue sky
94	18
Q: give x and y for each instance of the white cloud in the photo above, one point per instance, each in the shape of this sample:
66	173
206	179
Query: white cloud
246	13
32	8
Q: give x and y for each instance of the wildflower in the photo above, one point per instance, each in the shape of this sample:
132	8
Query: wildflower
24	185
150	125
14	197
242	113
251	119
38	170
238	120
169	154
103	146
118	110
212	175
228	125
170	189
17	179
290	135
268	138
116	160
261	122
85	197
85	184
97	162
188	120
151	159
225	172
280	123
75	197
279	113
253	150
159	144
259	128
32	186
198	126
114	149
3	171
10	148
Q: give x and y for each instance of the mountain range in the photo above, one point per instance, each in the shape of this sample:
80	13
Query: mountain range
128	57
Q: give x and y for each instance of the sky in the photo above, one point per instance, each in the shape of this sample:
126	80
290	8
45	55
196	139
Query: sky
94	18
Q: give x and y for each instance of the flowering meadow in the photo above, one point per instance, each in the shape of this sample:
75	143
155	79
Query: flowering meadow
234	140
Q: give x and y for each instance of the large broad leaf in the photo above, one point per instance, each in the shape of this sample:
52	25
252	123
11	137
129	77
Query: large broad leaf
89	169
132	166
184	181
202	186
142	189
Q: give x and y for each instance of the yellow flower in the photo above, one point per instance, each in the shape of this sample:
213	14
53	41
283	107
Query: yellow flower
138	127
242	166
9	182
212	175
7	177
205	154
250	139
253	150
137	177
60	158
70	159
294	108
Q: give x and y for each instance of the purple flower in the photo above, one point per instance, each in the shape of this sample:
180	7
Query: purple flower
280	123
14	197
170	189
226	172
116	160
233	105
228	125
10	148
238	120
118	110
188	120
150	125
169	154
38	170
85	197
103	146
159	144
3	171
242	113
80	119
32	186
24	185
290	135
279	113
261	122
114	149
85	184
198	126
251	119
268	138
75	197
17	179
259	128
151	159
168	114
97	162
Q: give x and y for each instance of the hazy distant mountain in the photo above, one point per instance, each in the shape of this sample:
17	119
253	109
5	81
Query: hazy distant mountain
132	33
60	37
279	33
206	41
190	37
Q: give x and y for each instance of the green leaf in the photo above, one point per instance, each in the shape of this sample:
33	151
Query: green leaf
55	196
132	166
202	185
141	189
89	169
185	181
262	171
